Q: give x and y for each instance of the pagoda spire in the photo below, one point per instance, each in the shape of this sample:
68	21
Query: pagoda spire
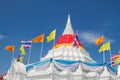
68	29
69	21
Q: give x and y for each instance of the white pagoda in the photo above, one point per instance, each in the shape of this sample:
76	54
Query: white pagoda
67	60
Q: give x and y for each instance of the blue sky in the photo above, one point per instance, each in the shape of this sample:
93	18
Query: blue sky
26	19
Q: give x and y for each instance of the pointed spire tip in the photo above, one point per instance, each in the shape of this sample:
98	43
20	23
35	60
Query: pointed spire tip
68	29
68	21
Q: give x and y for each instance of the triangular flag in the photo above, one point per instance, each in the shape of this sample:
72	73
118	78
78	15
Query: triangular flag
10	48
38	39
51	36
22	50
105	46
99	40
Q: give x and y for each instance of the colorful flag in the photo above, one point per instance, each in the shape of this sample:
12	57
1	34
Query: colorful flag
116	58
117	61
38	39
99	40
77	40
22	50
20	58
51	36
104	47
26	44
10	48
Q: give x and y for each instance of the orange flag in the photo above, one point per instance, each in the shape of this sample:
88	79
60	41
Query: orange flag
38	39
99	41
10	48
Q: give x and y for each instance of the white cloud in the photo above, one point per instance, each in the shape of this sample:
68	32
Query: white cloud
88	37
2	36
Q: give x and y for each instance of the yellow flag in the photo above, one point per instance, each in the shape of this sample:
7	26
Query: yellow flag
105	46
99	40
51	36
21	59
10	48
38	39
22	50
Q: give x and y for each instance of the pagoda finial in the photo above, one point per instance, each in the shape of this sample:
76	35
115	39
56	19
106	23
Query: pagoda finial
68	21
68	28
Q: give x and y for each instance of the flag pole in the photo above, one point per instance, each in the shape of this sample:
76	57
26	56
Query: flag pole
54	39
103	56
52	58
110	54
29	54
54	42
53	45
12	57
41	50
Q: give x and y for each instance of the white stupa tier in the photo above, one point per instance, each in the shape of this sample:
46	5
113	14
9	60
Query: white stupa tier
68	53
67	60
68	47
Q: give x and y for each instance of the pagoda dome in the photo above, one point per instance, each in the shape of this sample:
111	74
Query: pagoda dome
68	46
